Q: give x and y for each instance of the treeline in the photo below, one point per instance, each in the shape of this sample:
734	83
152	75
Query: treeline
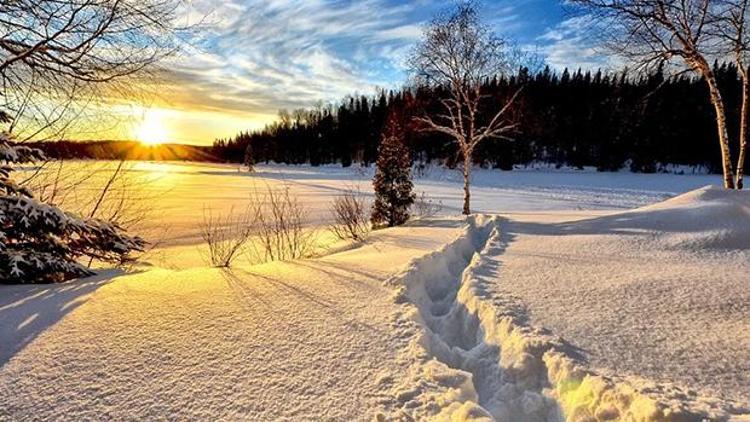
123	150
609	121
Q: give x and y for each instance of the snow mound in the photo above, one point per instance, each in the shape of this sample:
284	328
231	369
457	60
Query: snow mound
475	356
709	218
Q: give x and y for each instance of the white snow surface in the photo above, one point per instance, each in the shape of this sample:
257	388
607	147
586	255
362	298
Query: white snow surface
285	341
578	296
178	192
661	292
640	315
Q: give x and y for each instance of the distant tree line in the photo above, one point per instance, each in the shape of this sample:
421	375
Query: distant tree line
122	150
575	118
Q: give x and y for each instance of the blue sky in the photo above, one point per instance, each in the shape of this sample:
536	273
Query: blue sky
252	57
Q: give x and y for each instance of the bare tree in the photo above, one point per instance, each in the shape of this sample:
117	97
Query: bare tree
459	52
57	57
731	17
109	191
654	32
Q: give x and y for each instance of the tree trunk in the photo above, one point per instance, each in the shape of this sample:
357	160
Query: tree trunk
721	126
743	127
467	181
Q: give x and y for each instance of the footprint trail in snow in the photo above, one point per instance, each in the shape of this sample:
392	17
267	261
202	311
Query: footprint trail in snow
472	353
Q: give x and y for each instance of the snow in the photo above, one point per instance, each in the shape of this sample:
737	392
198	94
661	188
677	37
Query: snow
572	294
661	292
305	339
178	192
475	357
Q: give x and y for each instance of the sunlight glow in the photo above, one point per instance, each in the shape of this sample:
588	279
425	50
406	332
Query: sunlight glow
152	130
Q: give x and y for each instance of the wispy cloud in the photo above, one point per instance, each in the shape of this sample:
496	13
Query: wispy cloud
571	44
261	56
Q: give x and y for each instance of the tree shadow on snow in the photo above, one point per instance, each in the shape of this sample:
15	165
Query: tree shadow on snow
242	280
28	310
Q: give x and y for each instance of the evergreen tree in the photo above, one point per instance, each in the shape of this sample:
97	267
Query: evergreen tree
249	160
40	243
392	182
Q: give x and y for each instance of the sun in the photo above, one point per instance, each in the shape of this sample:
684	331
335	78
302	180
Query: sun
152	131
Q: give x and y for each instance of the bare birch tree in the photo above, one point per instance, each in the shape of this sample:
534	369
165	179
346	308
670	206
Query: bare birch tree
459	52
732	30
59	56
653	32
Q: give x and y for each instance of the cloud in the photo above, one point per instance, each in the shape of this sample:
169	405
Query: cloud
571	44
257	56
251	58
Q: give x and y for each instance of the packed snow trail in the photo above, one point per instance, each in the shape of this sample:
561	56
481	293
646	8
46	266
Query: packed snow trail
474	354
304	340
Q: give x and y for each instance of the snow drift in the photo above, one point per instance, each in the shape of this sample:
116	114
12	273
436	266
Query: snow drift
710	218
475	354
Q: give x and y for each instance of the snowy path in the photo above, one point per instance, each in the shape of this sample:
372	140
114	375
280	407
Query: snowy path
302	340
468	354
478	352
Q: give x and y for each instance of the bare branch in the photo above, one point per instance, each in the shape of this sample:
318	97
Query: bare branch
460	53
58	57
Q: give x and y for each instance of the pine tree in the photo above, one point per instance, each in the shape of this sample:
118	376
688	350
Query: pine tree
40	243
392	182
249	160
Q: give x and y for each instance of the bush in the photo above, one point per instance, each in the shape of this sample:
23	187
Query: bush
226	235
281	227
272	228
424	206
41	243
349	212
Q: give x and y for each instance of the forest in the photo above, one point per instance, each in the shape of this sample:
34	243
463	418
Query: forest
574	118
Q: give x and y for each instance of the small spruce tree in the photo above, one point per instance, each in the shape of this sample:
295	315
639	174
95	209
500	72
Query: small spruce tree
393	185
249	160
39	242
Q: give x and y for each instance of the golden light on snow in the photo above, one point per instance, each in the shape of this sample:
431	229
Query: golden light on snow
152	130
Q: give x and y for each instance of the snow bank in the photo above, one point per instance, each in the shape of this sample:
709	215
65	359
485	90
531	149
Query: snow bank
710	218
474	355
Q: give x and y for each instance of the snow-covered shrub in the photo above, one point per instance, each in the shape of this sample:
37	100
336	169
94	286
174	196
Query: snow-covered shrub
349	212
39	242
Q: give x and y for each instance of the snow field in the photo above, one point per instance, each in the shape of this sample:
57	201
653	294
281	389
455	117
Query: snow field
475	355
565	307
176	193
302	340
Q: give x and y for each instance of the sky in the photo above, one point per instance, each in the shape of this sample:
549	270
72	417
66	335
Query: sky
251	58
